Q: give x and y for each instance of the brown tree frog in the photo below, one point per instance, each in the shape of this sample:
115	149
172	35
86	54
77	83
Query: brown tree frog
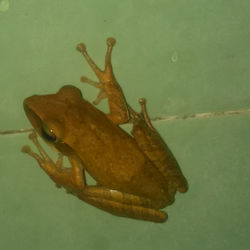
136	174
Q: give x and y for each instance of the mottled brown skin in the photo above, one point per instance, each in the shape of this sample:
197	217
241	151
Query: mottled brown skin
136	175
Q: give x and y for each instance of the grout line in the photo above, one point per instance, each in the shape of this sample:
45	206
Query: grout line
157	119
16	131
203	115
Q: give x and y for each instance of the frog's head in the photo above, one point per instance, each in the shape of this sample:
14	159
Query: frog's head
49	115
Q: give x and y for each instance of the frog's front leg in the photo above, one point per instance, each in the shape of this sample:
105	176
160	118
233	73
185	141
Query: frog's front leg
72	179
108	85
157	150
112	201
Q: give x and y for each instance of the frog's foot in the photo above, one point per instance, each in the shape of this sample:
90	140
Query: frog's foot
141	117
107	84
70	178
105	76
44	161
144	113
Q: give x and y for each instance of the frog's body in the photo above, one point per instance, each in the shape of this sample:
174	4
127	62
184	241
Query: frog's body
136	175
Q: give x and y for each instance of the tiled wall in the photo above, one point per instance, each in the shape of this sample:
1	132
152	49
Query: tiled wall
190	59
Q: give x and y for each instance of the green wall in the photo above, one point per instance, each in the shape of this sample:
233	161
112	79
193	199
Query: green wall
186	57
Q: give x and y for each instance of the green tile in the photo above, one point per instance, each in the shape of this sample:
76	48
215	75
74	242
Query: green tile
188	56
213	154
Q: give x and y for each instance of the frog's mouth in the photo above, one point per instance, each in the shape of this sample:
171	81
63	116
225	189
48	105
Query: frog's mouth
33	117
39	126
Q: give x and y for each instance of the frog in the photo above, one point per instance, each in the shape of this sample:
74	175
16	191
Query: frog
136	175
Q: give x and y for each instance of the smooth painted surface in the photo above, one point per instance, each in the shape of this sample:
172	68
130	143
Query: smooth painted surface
185	57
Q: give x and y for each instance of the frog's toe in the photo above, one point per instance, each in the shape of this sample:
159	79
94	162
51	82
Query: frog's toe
111	41
85	79
102	95
81	47
26	149
32	136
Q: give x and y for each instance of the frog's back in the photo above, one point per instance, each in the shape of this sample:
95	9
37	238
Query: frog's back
112	157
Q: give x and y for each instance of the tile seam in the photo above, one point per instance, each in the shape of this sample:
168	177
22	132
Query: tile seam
158	119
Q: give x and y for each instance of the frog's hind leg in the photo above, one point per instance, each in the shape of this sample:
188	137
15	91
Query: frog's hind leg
107	84
149	140
122	204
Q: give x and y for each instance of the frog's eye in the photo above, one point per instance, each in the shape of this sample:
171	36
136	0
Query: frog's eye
48	134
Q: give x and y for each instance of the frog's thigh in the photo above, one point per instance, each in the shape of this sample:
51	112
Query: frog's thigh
122	204
151	143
